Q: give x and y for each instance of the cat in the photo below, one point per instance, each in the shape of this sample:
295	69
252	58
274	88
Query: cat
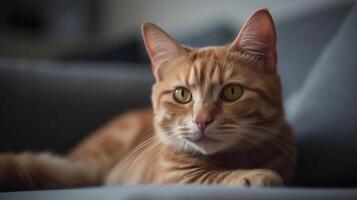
216	118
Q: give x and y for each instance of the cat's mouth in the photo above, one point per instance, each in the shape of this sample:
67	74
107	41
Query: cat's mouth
203	143
200	137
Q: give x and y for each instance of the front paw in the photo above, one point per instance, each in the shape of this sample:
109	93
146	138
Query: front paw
261	178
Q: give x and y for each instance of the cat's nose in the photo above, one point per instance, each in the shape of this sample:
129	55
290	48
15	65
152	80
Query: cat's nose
203	121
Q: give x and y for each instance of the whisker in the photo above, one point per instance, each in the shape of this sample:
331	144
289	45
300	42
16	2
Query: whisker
145	152
137	148
149	149
258	121
235	122
257	143
272	140
267	135
283	147
267	129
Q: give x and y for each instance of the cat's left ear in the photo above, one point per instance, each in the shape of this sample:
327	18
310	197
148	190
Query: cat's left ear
160	46
258	37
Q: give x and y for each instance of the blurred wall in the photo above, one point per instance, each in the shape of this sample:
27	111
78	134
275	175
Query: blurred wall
52	29
121	18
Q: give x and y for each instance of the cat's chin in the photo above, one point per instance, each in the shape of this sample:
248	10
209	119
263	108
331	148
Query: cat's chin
201	145
206	146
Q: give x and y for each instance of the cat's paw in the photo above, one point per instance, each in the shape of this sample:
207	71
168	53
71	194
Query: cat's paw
261	178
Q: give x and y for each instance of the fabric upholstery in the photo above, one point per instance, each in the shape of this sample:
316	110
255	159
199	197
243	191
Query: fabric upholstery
184	192
324	112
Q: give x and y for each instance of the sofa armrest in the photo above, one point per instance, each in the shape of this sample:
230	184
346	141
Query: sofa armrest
51	106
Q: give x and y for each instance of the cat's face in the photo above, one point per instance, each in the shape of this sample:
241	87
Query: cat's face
207	100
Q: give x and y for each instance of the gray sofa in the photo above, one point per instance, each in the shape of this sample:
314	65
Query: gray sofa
53	105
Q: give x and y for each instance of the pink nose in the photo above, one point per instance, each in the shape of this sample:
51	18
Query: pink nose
202	123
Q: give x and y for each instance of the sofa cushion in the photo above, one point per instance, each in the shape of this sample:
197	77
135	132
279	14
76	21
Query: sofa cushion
51	106
324	113
183	192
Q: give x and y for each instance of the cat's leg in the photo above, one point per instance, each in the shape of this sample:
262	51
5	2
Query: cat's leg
86	165
27	171
249	178
103	149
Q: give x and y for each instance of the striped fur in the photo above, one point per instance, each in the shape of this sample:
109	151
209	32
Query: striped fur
249	143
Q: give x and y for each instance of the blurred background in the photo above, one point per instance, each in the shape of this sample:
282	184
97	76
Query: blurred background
103	29
108	30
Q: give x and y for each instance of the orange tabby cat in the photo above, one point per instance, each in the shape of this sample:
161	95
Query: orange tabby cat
217	118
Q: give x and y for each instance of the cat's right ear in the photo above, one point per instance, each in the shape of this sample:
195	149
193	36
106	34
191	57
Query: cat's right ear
160	46
258	37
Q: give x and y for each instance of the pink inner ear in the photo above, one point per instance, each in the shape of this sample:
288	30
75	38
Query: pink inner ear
159	45
258	37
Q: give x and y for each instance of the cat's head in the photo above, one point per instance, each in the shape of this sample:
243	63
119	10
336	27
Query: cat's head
212	99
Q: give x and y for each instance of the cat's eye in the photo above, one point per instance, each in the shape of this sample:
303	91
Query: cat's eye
231	92
182	95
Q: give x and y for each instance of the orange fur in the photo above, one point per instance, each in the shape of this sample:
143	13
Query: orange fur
246	142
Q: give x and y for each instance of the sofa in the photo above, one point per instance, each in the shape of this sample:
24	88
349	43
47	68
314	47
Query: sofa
52	105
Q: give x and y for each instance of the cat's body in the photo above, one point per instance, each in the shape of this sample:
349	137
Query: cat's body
235	169
217	118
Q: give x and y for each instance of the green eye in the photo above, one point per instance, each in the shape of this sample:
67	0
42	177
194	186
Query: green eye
182	95
231	92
